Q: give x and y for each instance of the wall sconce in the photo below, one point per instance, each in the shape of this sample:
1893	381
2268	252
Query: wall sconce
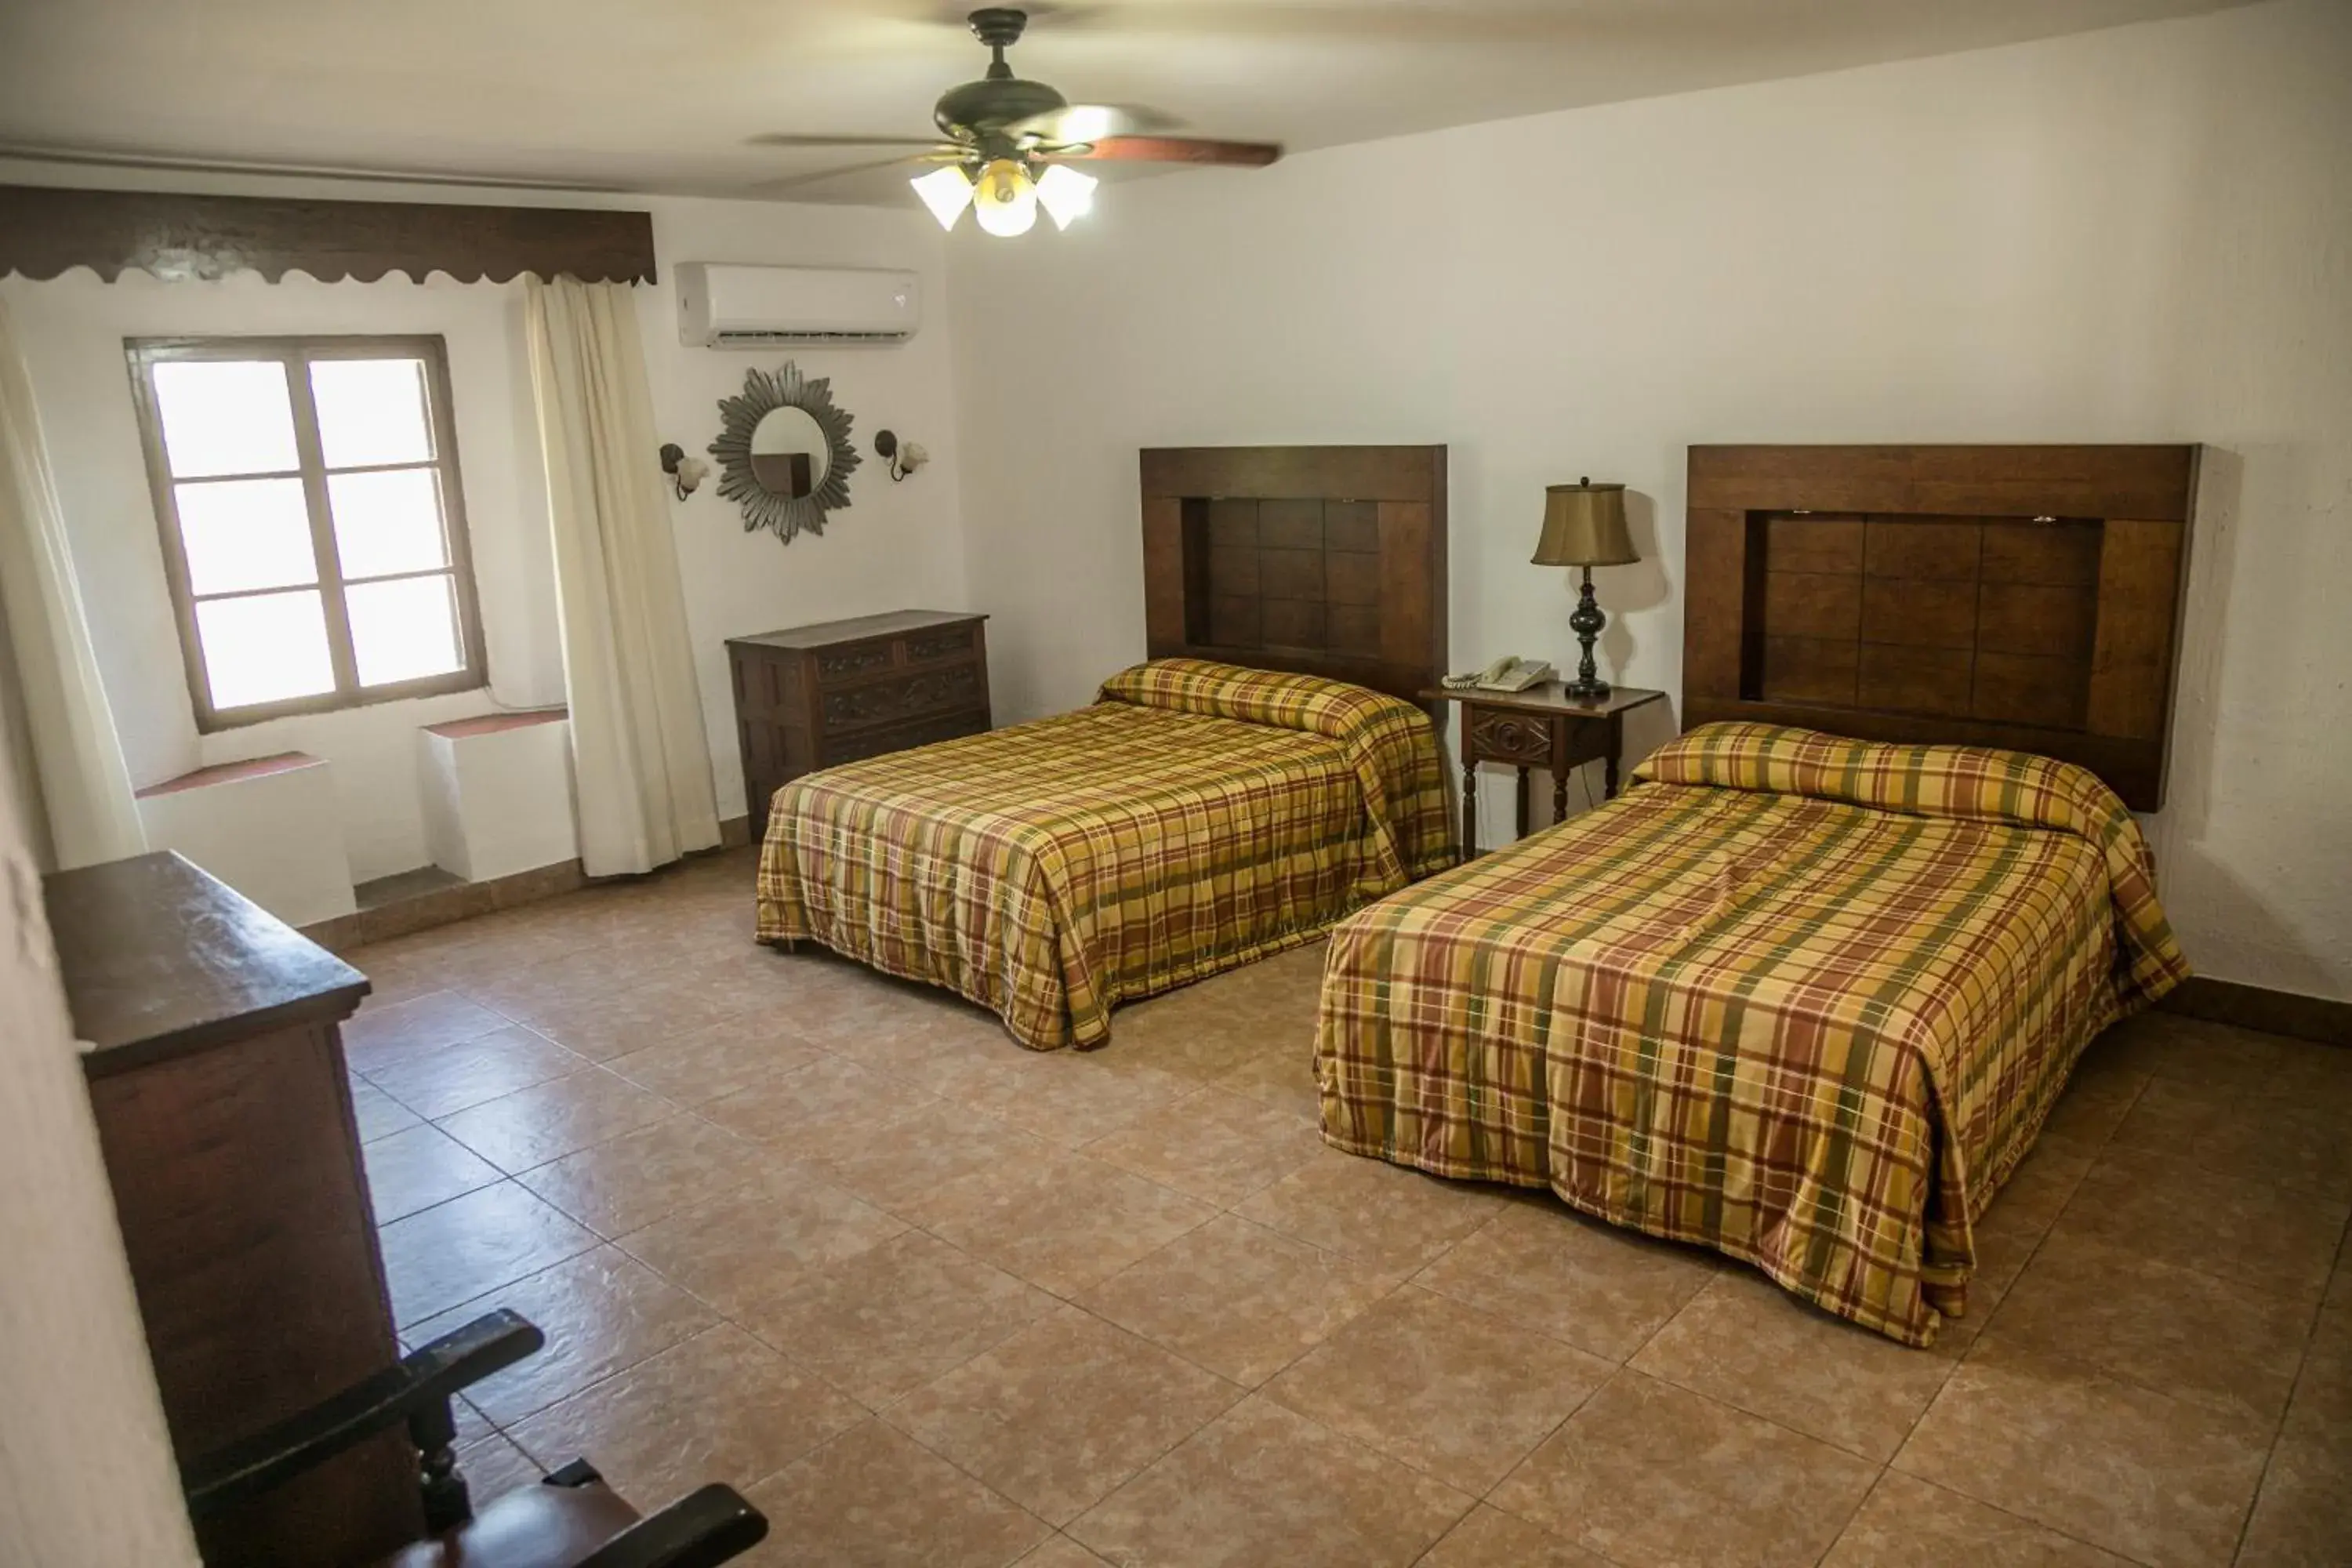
904	457
686	473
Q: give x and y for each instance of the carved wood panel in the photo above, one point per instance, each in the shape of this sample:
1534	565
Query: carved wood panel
1496	737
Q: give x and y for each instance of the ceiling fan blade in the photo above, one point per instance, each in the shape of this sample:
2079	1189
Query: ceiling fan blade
789	139
817	177
1171	150
1077	122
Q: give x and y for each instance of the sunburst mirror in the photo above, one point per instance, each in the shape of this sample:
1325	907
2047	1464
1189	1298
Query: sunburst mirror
783	451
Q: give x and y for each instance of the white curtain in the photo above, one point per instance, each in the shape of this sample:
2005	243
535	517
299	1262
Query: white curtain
641	761
85	801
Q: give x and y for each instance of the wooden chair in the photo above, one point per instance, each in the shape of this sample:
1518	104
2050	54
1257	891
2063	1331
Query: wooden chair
570	1520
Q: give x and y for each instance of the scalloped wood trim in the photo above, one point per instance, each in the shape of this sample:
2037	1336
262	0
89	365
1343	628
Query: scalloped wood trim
47	229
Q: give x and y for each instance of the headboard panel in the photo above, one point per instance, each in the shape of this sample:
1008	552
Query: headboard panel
1325	559
2018	596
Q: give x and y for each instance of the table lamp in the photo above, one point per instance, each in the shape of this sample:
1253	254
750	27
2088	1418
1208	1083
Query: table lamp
1584	525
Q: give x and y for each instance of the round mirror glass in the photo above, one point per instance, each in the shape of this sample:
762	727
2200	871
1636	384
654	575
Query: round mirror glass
790	454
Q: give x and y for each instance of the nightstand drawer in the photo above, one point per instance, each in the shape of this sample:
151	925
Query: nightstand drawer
1500	736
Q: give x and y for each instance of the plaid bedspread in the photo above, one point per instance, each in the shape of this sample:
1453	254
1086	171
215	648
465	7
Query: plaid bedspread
1197	816
1802	999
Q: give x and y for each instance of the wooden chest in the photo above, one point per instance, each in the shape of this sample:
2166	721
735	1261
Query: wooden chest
811	697
217	1081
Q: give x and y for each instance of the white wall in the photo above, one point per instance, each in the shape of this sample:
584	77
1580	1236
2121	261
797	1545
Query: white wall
2139	235
897	546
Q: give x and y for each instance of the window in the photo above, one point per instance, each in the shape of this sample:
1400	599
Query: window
313	527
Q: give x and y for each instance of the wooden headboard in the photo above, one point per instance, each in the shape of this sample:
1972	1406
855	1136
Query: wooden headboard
2020	596
1326	560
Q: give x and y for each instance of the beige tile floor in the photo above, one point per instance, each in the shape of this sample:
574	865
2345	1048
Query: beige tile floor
928	1298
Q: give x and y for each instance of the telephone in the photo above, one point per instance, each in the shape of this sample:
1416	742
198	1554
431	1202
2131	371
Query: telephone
1508	673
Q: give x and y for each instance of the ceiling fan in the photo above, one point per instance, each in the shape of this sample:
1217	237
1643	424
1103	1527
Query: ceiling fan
1009	143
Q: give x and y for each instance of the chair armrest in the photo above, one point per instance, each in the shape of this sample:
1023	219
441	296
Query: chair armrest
706	1527
424	1379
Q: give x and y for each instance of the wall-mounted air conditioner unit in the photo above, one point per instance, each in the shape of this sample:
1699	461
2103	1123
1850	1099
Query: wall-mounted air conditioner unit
721	306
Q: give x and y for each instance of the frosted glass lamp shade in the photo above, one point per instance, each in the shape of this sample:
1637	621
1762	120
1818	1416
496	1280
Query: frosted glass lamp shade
1066	194
1005	200
946	192
1584	525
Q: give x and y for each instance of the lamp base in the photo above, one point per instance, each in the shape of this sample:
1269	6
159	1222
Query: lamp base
1586	623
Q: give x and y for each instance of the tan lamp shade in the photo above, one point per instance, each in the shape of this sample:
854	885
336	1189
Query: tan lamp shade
1584	525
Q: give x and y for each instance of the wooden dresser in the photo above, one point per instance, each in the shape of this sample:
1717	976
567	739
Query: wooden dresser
225	1114
811	697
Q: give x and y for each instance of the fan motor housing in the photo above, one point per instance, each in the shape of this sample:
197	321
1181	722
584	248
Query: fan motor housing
983	106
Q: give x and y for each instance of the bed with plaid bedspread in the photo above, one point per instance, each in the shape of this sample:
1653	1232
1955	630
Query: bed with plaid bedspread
1197	816
1801	999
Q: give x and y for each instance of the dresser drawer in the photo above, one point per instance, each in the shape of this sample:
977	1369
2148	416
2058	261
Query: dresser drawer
944	646
896	698
858	744
849	660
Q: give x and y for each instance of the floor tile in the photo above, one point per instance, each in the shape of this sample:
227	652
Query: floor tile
1217	1146
633	1018
2164	1327
1445	1388
1489	1538
2322	1392
1237	1298
1906	1523
521	1130
890	1320
1062	1221
2300	1520
418	1168
1382	1214
714	1061
1261	1484
718	1406
744	1249
934	1144
449	1078
875	1499
602	1311
1063	1412
1648	1473
2055	1440
1279	1073
556	986
627	1182
381	1035
1542	1266
1065	1097
1746	1343
457	1251
492	1466
1061	1551
377	1113
2234	1229
827	1109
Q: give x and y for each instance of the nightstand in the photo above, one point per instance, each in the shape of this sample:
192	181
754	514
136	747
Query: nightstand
1537	727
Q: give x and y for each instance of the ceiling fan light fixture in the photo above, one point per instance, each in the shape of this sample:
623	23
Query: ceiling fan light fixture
946	192
1004	201
1066	194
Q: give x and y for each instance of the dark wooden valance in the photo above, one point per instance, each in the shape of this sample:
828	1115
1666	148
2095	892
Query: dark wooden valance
46	229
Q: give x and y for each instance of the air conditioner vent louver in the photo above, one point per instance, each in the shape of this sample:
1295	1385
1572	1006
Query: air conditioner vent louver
730	307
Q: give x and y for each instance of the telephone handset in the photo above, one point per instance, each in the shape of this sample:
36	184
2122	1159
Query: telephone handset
1508	673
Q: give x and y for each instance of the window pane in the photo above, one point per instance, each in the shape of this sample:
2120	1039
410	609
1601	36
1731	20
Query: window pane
224	417
404	630
265	649
372	411
245	533
388	522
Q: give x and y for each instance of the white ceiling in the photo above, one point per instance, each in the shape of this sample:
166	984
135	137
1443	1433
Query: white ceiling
664	95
